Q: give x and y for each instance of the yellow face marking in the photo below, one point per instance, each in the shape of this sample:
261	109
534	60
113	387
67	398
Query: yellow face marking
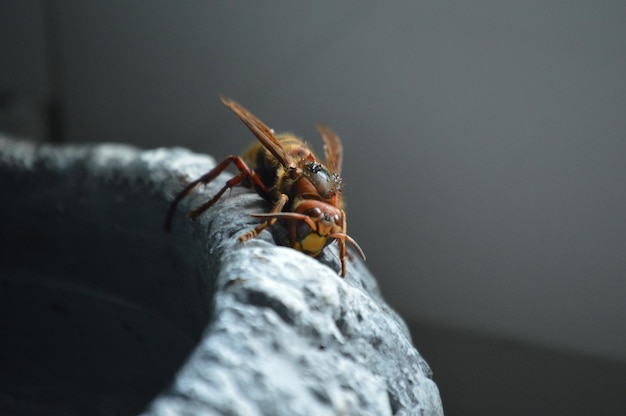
311	244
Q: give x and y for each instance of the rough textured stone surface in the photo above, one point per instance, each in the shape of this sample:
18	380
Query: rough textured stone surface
271	331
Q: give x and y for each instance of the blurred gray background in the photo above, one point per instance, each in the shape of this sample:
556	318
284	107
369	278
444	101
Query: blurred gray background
484	155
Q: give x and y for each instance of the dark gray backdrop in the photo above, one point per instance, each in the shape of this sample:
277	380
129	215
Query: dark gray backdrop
484	141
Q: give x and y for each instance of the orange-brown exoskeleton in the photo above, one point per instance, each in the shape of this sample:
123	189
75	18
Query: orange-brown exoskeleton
283	170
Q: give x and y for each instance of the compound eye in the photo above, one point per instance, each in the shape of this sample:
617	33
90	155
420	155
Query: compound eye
314	212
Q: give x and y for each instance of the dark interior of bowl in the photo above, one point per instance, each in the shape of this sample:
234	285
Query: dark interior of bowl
98	308
71	350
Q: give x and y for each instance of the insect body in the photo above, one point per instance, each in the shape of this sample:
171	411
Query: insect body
284	171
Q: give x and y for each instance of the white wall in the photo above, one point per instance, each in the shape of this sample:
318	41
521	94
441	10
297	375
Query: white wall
484	142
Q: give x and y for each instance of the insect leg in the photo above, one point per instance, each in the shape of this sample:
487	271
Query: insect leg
282	200
229	184
245	172
170	213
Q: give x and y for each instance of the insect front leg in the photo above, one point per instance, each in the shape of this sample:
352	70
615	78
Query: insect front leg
280	204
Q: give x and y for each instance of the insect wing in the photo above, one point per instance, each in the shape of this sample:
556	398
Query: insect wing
263	133
332	148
